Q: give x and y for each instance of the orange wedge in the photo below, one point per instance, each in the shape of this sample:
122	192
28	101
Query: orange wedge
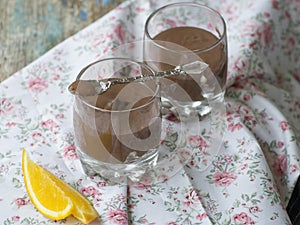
53	197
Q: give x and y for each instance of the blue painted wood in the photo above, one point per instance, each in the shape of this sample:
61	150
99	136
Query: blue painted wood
29	28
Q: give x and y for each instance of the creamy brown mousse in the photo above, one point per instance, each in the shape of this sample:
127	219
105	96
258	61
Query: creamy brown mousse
121	122
203	43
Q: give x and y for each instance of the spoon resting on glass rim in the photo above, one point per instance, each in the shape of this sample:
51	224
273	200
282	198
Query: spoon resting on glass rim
97	87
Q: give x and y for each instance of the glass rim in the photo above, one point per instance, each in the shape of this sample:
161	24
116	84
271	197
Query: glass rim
155	93
176	4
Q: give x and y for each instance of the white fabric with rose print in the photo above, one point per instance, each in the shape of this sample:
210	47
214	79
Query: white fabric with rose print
251	179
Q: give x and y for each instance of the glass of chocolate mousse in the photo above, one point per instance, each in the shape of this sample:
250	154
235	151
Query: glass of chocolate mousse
181	33
117	132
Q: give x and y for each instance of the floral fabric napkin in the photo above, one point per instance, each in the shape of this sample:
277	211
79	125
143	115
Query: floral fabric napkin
248	182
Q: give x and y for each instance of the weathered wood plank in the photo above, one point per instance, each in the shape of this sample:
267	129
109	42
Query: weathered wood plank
28	28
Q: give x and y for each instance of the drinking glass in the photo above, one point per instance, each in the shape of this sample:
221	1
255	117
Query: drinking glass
117	133
181	33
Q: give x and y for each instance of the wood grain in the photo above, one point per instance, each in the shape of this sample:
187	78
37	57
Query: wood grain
29	28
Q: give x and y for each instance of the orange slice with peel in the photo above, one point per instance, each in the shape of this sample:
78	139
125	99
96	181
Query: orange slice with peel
53	197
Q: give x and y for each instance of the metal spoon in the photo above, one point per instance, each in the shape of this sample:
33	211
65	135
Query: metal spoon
96	87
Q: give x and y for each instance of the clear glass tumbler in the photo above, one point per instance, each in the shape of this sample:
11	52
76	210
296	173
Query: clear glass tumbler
118	132
181	33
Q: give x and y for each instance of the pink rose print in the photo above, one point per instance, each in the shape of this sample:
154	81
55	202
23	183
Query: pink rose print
280	165
267	34
284	125
10	124
101	184
142	186
242	218
275	4
118	216
246	97
197	141
15	218
244	166
185	154
280	144
287	15
210	26
59	116
37	84
293	168
291	41
171	23
201	217
119	31
163	177
172	223
297	77
171	117
192	198
140	9
232	127
224	178
144	220
37	136
89	191
254	209
69	152
240	64
20	202
228	158
5	106
55	76
49	124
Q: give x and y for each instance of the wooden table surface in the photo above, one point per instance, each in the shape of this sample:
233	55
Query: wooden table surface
29	28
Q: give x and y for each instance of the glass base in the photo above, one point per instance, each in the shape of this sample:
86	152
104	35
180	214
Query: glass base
119	173
190	109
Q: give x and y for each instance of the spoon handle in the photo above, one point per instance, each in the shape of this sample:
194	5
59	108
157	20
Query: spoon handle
96	87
